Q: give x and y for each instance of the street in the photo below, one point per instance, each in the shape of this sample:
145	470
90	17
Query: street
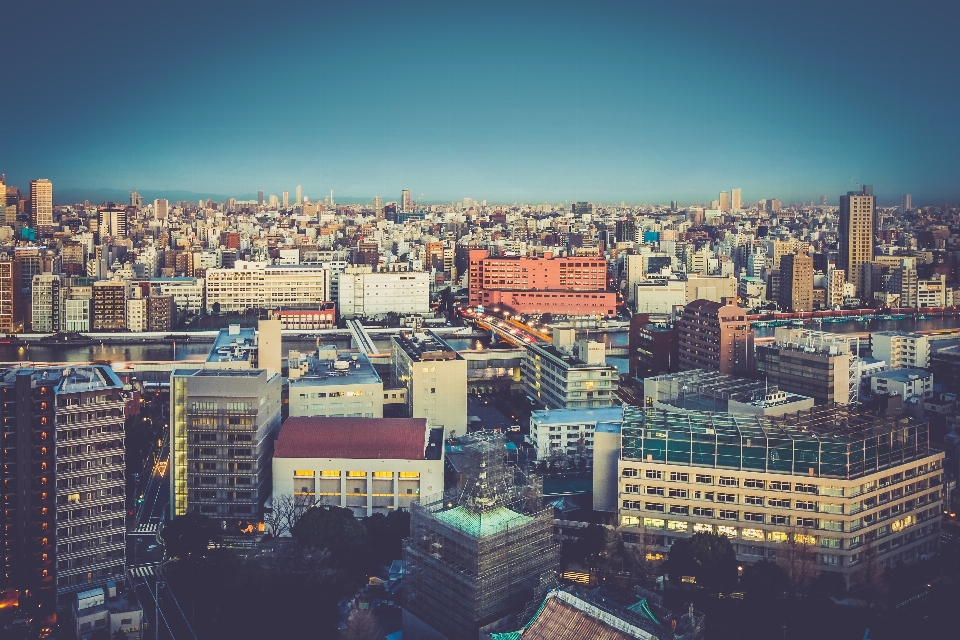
173	621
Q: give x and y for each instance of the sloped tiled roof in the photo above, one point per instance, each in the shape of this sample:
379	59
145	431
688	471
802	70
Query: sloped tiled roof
558	620
361	438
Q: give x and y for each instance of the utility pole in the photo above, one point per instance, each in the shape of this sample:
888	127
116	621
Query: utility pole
156	601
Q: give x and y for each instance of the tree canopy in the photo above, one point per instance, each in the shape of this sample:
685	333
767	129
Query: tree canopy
708	557
334	529
765	580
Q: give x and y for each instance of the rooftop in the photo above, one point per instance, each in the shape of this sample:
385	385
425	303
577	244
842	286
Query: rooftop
568	416
570	361
233	344
480	524
421	347
331	368
69	379
358	438
902	375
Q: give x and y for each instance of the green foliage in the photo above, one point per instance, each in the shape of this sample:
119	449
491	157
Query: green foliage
189	535
336	530
829	584
707	556
385	534
765	580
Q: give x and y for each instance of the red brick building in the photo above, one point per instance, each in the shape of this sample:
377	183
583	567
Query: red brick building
574	286
715	336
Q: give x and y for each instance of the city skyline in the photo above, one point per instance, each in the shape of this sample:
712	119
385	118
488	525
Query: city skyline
607	103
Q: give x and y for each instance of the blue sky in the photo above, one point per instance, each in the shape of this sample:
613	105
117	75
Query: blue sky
509	102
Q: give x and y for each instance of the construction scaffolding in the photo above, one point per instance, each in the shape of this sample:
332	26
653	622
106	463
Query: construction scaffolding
478	554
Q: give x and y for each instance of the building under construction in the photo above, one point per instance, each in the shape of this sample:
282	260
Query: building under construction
477	554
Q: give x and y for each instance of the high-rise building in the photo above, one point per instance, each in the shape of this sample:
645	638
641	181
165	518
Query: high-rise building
274	202
112	221
479	553
735	199
46	307
823	201
109	305
299	195
41	205
136	200
435	378
260	198
160	208
405	201
817	364
906	203
10	287
378	205
724	202
715	336
223	425
857	210
796	282
286	199
62	470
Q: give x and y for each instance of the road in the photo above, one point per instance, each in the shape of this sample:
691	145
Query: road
173	622
149	515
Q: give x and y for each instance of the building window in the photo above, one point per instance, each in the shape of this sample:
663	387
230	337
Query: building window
727	514
654	474
655	491
654	506
704	479
676	476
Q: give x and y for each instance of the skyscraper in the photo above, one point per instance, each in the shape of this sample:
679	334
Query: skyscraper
260	198
378	205
160	208
735	199
405	201
724	202
856	234
41	204
136	200
796	282
286	199
906	202
299	195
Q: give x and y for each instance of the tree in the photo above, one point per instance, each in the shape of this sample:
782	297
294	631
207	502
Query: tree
362	625
336	530
286	511
798	558
385	534
870	579
765	580
216	308
189	535
709	557
828	584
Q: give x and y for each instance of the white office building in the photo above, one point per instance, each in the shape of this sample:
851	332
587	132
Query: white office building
568	433
261	285
364	294
328	384
901	349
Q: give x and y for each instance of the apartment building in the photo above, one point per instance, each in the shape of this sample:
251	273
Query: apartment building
62	470
366	465
223	423
110	305
188	293
715	336
9	295
434	377
261	285
901	348
915	384
47	307
841	488
796	282
329	384
574	286
564	375
365	294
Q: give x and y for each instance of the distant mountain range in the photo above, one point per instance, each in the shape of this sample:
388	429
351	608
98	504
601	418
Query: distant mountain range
99	196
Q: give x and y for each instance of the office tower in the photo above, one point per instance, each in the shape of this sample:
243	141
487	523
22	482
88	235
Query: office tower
62	470
41	205
817	364
724	203
299	195
223	424
405	201
478	553
274	202
136	200
796	282
715	336
378	205
435	377
880	506
906	203
673	205
626	230
10	286
160	209
773	206
735	199
286	199
260	198
857	212
112	221
823	201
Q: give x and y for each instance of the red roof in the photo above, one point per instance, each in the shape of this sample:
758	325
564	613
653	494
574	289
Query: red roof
366	438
